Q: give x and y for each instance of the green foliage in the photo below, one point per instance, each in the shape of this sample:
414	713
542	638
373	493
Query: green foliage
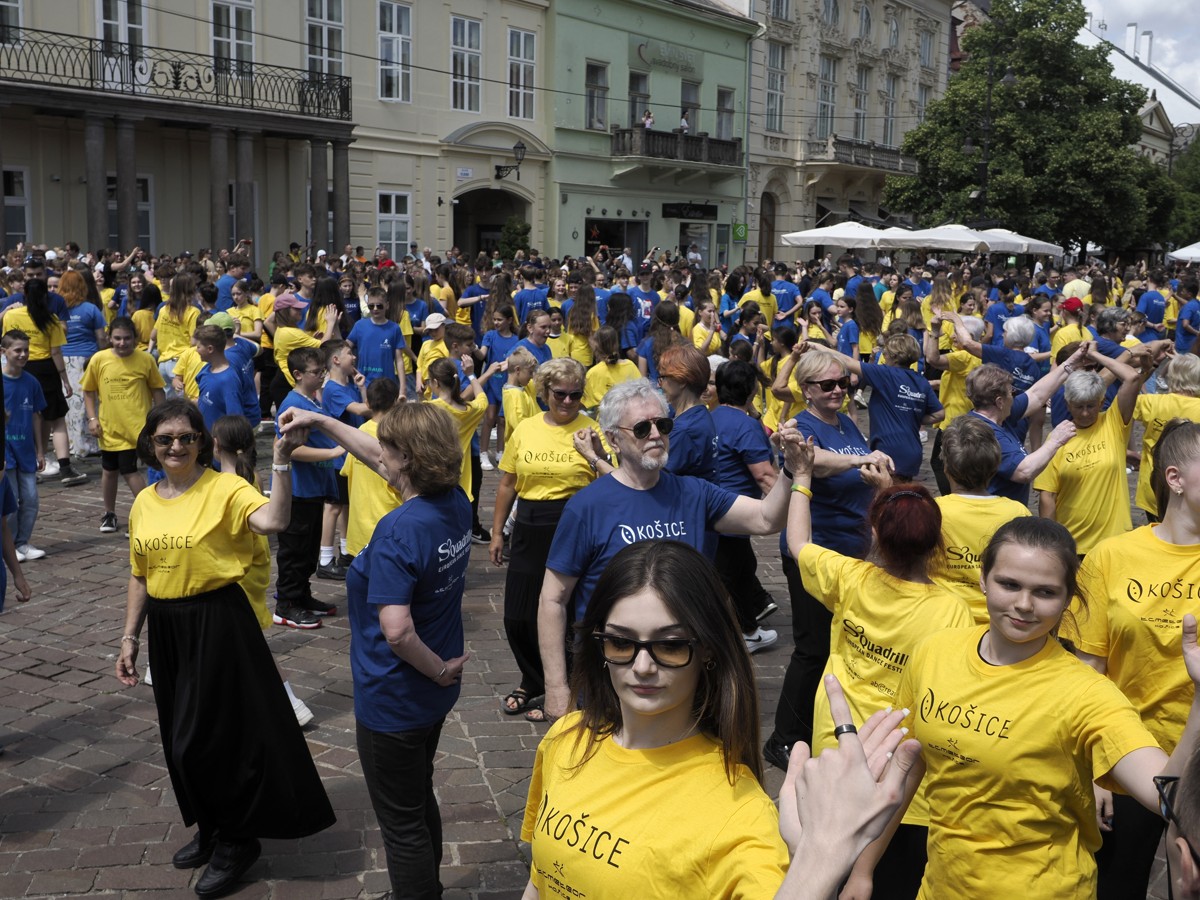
1186	220
1062	166
514	236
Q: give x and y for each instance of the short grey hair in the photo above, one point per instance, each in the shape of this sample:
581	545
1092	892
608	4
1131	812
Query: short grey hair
621	396
1083	387
974	326
1110	317
1018	332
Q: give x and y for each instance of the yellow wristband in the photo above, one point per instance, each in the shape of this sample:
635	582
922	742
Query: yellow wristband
801	489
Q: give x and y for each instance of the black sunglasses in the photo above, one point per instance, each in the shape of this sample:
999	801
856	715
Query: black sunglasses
376	306
1167	786
828	384
641	430
561	395
187	438
670	653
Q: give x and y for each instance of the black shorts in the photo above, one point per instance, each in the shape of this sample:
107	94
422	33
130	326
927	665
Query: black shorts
123	461
46	373
343	495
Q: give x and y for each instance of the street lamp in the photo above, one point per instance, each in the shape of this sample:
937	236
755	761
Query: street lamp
519	156
985	127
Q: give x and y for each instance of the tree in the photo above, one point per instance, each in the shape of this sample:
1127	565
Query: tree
1061	163
1186	174
514	236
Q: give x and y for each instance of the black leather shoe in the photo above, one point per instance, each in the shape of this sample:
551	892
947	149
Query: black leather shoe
195	852
776	752
229	863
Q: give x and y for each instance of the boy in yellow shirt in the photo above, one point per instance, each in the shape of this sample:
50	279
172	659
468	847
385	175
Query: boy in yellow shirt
432	348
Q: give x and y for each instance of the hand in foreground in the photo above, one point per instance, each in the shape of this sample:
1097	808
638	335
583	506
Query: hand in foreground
496	549
127	672
454	669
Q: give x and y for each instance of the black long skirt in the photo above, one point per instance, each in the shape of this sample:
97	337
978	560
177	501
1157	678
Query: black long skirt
238	760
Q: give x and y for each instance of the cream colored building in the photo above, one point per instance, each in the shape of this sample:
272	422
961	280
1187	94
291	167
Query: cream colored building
835	85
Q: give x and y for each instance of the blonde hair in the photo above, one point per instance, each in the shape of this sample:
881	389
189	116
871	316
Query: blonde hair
555	372
429	437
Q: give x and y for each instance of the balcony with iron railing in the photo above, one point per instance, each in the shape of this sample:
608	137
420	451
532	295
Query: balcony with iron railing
863	154
676	146
91	64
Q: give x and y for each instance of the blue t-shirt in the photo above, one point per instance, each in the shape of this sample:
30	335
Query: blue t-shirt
376	347
417	557
336	397
839	502
477	309
847	339
606	516
602	295
22	398
542	354
823	297
852	284
646	351
529	300
417	311
57	304
729	313
643	301
241	357
998	314
1012	452
498	347
225	393
1153	306
1190	313
225	292
692	444
311	480
1024	368
787	295
900	399
83	321
741	442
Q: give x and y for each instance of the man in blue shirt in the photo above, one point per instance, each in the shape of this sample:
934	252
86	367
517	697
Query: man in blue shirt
850	268
1187	326
787	295
235	271
1152	304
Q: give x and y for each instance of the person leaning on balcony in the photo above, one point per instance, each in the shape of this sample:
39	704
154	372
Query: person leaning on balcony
647	119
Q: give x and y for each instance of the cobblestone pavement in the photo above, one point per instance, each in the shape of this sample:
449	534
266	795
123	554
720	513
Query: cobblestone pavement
85	801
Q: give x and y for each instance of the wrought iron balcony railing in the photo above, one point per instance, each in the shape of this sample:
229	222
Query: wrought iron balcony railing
698	148
859	153
45	57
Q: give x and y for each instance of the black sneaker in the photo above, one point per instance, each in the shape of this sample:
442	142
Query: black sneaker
108	523
776	752
72	477
344	560
317	607
480	535
294	617
331	571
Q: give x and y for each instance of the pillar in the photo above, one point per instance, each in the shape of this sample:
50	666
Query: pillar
127	194
97	187
243	194
319	187
341	195
218	175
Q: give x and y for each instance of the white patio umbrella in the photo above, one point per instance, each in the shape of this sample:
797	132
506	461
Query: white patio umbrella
1031	245
1190	253
948	237
843	234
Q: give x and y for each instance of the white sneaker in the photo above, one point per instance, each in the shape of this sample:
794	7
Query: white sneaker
760	639
28	551
146	679
51	468
485	462
304	715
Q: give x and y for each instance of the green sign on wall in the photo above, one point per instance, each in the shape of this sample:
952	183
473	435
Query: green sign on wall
740	230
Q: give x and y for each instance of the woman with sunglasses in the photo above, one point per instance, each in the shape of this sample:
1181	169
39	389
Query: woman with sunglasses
540	468
653	788
238	761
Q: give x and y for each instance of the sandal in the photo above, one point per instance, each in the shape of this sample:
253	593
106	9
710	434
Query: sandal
538	716
521	702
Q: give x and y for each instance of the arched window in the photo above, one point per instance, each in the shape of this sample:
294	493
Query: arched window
864	22
831	12
766	226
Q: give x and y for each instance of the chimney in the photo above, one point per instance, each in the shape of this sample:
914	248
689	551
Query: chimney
1131	40
1148	37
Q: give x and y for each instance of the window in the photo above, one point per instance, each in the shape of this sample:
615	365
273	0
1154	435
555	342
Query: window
145	211
395	51
16	207
861	100
725	114
922	101
520	73
926	49
831	13
826	96
864	22
891	88
689	104
639	97
325	37
122	21
233	36
466	63
392	223
10	25
893	32
780	9
596	96
776	84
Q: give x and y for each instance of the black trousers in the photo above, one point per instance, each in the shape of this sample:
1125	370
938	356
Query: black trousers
738	567
1124	860
279	389
532	535
936	464
398	769
299	551
810	635
264	364
476	484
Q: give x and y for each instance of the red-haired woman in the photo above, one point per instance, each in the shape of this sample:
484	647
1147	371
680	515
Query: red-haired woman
880	614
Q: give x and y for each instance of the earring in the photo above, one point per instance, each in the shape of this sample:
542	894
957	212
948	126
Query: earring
605	666
710	665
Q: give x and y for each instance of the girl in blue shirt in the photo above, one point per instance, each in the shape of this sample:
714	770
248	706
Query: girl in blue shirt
847	336
497	343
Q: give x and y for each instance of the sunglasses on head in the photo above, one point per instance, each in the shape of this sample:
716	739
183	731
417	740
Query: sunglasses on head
641	430
561	395
828	384
187	438
671	653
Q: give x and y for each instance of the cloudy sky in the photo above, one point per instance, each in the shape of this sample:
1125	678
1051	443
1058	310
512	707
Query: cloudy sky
1176	33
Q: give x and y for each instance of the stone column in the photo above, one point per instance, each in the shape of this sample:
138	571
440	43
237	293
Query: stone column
97	186
319	187
341	195
218	176
244	186
127	193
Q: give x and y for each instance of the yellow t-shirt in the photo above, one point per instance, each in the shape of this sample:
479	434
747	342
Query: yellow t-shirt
1138	589
560	345
545	461
579	349
667	822
1087	477
602	376
106	295
187	366
266	306
516	406
968	523
175	335
245	317
371	498
258	576
430	352
196	542
953	389
406	330
287	339
123	386
878	621
143	324
1067	334
772	406
687	321
707	342
1154	411
466	420
766	303
1011	754
40	343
